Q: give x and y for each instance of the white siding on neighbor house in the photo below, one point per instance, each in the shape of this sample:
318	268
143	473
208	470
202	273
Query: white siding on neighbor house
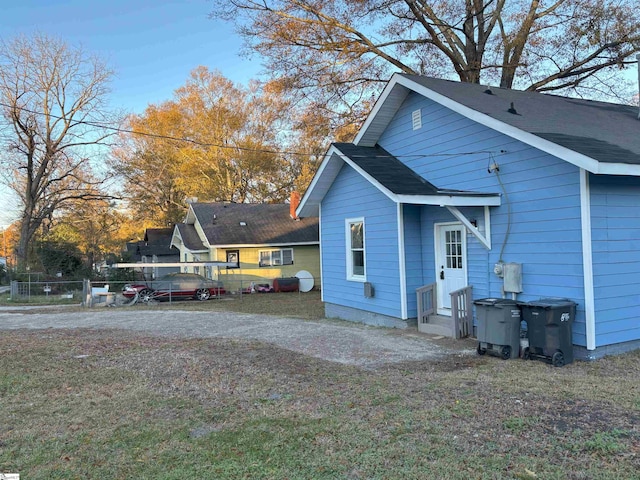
543	192
615	217
352	196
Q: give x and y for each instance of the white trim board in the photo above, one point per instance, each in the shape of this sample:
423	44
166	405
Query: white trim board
587	259
368	133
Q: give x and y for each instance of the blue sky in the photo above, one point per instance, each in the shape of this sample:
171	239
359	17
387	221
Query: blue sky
151	45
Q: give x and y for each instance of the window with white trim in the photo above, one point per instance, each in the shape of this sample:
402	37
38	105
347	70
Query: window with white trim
355	249
275	258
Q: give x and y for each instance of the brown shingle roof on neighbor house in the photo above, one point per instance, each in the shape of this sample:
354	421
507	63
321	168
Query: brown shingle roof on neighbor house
254	224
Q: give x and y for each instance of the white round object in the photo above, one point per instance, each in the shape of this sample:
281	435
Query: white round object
306	280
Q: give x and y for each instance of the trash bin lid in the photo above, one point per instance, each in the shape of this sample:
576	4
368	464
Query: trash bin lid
495	302
550	303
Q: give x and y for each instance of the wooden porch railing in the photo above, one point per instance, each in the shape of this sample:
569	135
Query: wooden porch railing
462	311
426	302
459	325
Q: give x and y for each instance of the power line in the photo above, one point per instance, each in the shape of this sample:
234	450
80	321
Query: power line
112	128
230	147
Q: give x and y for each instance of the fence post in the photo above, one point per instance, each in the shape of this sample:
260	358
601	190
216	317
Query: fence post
86	293
14	290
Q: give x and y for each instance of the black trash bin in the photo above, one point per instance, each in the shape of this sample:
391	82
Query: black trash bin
498	327
549	329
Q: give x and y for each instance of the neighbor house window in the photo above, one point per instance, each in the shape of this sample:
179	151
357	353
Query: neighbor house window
355	249
274	258
233	256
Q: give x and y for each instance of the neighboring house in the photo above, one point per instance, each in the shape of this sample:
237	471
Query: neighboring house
447	182
264	241
155	248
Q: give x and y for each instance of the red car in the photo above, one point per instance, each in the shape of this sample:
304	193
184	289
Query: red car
175	286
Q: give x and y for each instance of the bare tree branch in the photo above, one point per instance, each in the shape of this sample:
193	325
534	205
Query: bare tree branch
49	92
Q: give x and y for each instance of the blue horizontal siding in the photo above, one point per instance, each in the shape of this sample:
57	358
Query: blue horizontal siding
542	191
615	217
413	256
352	196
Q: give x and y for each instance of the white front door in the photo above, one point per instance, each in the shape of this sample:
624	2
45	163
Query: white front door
451	263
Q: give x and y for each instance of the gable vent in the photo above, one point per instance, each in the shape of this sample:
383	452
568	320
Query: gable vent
416	119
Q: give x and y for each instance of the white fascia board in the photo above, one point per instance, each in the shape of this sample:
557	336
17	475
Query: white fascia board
571	156
176	235
452	200
313	196
443	200
374	116
190	217
172	264
368	177
618	169
196	251
205	240
267	245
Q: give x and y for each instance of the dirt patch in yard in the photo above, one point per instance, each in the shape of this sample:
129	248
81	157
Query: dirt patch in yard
337	341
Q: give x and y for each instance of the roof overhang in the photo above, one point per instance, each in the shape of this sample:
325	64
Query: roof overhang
267	245
180	242
335	159
399	88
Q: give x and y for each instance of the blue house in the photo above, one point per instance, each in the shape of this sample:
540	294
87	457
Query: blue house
466	192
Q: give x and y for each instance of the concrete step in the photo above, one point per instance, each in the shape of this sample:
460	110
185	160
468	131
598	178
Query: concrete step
438	325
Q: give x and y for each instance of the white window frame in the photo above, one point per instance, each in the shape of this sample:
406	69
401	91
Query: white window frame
271	252
349	250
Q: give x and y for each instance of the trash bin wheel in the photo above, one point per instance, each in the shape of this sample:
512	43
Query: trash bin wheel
505	353
557	360
527	354
481	351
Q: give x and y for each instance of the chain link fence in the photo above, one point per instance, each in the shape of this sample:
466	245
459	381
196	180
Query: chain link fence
120	293
46	292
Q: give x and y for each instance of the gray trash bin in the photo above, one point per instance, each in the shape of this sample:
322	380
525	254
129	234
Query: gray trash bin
549	329
498	327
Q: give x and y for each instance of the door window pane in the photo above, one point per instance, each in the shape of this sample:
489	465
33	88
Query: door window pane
453	249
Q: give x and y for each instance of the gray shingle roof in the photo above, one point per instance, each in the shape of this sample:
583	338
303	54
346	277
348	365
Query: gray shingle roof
391	173
607	132
190	237
264	224
158	236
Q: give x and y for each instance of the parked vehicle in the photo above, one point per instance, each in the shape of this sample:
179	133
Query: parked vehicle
175	286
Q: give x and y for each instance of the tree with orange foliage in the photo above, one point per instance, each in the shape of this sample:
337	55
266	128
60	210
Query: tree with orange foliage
216	141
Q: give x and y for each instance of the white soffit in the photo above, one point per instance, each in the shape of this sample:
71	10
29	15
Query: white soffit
324	177
382	113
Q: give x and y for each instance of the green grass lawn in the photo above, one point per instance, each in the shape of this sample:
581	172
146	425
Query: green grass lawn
119	405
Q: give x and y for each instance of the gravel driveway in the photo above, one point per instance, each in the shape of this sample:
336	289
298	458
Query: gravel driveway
335	341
